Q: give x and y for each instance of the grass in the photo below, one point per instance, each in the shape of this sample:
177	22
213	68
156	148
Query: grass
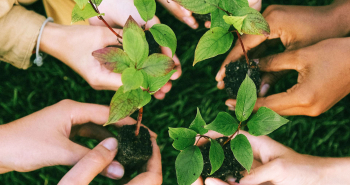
24	92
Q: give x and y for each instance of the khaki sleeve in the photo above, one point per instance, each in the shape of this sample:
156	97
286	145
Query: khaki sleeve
19	30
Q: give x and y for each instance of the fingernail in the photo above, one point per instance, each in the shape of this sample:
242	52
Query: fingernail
218	75
231	180
189	20
110	143
221	84
185	11
264	89
115	170
230	107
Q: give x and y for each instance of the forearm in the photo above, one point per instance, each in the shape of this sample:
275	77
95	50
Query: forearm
341	17
337	170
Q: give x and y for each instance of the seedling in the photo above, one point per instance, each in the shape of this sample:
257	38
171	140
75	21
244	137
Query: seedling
189	163
142	74
218	40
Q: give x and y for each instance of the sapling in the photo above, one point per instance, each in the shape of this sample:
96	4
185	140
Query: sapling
228	17
144	71
234	149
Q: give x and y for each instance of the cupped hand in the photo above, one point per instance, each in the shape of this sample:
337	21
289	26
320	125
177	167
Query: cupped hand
96	160
42	138
117	13
276	164
296	27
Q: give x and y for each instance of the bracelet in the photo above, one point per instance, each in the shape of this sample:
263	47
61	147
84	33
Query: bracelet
39	59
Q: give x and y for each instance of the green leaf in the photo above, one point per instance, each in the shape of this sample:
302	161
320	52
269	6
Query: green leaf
83	14
199	6
233	6
146	98
97	2
146	8
216	156
164	36
254	23
124	104
198	124
217	19
224	123
246	98
155	83
243	151
113	58
265	121
132	79
81	3
183	137
134	42
236	21
214	42
158	65
189	165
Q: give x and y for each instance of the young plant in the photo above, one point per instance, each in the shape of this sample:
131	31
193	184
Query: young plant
189	163
218	40
142	75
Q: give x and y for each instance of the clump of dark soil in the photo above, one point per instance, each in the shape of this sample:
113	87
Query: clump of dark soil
236	73
153	45
202	17
133	151
230	166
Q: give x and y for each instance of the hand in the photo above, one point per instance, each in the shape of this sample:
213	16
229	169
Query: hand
42	138
279	165
293	37
185	16
102	155
117	13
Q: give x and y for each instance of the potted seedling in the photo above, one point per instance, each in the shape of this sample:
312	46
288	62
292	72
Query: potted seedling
144	71
228	17
229	155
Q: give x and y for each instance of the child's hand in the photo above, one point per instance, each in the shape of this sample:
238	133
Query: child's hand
42	138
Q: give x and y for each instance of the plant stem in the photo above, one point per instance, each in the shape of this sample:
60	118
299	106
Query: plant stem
229	138
202	136
138	124
103	20
245	53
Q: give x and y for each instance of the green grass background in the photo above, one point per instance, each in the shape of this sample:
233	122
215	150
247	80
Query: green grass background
23	92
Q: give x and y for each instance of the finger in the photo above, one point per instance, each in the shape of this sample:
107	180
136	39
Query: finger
256	4
178	68
131	121
207	24
92	163
211	134
81	113
279	62
261	174
180	13
276	102
106	79
214	181
250	41
110	38
92	131
159	95
268	80
166	88
153	21
199	181
154	169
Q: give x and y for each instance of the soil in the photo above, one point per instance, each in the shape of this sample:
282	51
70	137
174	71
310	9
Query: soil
133	151
153	45
202	17
236	73
230	166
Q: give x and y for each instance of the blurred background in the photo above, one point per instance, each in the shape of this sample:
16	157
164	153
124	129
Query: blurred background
24	92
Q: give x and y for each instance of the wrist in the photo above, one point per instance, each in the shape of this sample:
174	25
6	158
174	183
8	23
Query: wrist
335	170
52	38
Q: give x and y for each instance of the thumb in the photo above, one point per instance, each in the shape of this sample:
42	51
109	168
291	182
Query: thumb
260	174
92	163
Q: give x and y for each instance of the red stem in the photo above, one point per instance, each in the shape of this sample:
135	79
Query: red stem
103	20
229	138
245	53
138	124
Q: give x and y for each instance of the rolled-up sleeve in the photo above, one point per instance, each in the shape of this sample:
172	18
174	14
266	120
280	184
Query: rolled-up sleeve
19	30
